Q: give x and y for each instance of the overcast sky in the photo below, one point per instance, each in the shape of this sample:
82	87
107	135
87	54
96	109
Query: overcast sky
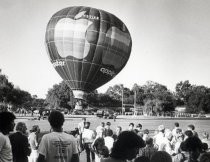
171	41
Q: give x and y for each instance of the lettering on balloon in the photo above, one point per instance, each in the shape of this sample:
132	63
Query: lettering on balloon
58	63
107	72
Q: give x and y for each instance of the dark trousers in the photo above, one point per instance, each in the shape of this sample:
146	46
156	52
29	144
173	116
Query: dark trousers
88	150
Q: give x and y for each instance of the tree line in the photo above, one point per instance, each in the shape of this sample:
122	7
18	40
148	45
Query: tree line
152	97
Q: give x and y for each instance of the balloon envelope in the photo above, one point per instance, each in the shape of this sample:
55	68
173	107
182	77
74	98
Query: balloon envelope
87	46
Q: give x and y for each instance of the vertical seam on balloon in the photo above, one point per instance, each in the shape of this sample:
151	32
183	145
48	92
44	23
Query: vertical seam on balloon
99	78
81	78
96	45
71	76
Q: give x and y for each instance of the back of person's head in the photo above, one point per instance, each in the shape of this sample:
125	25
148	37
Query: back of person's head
124	147
104	152
139	126
161	156
188	133
205	157
5	120
149	141
99	143
176	124
87	125
131	124
142	159
56	119
35	128
191	127
108	123
21	126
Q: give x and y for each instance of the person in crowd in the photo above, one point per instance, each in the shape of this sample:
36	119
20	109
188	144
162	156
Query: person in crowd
98	145
188	133
109	141
19	141
117	132
131	127
193	145
33	141
161	156
125	148
57	145
176	126
146	134
192	128
88	137
100	127
100	149
182	155
176	135
159	138
81	125
179	140
108	130
149	150
166	143
7	125
205	139
138	128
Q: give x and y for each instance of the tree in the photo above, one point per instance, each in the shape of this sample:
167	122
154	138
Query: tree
182	92
6	88
60	96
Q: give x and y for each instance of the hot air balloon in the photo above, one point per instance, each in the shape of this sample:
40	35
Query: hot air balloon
87	47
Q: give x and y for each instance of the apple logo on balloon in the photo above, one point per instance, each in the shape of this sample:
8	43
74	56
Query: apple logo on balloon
70	36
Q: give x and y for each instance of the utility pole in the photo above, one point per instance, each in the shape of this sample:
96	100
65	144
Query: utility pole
122	96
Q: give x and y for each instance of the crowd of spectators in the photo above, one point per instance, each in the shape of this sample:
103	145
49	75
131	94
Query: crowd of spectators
102	144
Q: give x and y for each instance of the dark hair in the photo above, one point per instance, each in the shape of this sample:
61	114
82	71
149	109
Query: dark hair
131	124
87	125
191	126
188	133
176	124
142	159
20	126
161	156
193	143
108	123
149	141
126	140
204	146
56	119
139	125
5	120
98	145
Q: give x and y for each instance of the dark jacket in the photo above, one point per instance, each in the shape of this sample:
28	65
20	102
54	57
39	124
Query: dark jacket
20	147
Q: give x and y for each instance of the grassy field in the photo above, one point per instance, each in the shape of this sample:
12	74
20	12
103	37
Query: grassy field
147	123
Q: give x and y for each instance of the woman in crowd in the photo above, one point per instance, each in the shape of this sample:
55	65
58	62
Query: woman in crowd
33	141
